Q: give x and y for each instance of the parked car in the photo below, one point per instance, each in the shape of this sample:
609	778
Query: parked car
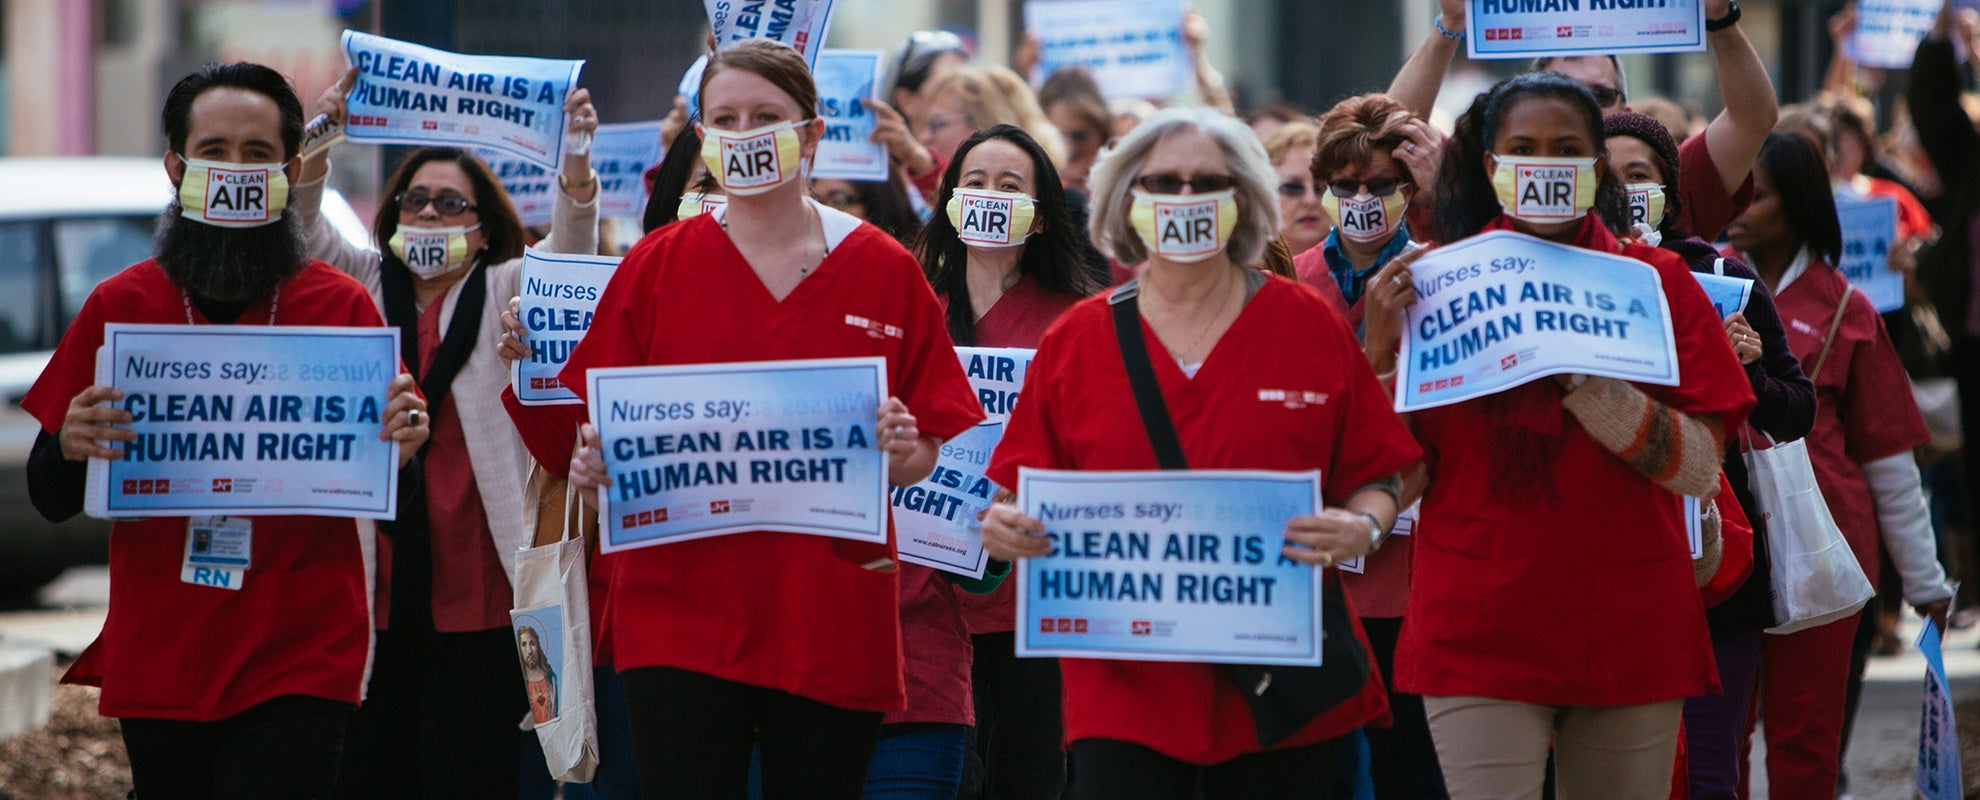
65	225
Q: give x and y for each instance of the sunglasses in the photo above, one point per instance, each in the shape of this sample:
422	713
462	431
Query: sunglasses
1378	188
1606	96
1294	190
447	204
1171	183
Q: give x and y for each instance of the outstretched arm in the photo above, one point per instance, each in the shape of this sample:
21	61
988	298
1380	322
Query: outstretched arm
1734	138
1417	83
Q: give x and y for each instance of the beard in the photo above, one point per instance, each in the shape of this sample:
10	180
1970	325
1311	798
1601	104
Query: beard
229	265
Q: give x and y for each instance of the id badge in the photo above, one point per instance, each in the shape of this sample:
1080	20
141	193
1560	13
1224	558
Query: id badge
218	551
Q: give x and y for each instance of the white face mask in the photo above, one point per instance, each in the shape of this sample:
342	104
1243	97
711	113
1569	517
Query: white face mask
229	195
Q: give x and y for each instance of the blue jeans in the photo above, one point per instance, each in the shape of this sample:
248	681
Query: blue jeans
617	777
918	761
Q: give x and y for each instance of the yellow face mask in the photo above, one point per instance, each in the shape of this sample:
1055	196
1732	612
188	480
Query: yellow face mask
694	204
431	252
1185	228
1365	217
753	161
1646	204
1544	189
985	218
230	195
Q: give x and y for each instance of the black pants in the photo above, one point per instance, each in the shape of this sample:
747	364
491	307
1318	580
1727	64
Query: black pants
1115	770
1402	759
692	735
287	747
1016	752
440	720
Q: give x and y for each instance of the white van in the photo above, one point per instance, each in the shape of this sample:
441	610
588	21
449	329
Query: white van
65	225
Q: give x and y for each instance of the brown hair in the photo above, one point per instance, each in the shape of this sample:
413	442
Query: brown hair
1355	129
1278	259
772	60
994	96
1289	137
1074	85
501	229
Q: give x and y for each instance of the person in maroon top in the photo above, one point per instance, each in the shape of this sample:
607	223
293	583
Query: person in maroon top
241	691
1554	603
1866	425
1227	344
1717	182
998	291
788	641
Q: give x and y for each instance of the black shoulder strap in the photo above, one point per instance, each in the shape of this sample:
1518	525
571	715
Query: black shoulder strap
1141	378
455	344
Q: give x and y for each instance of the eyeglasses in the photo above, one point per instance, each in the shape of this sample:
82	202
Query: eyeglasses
1378	188
1171	183
1294	190
447	204
1606	96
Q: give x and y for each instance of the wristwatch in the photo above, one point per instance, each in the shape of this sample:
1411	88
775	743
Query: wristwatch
1376	533
1730	19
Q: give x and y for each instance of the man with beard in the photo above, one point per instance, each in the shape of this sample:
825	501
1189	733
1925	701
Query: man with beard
223	692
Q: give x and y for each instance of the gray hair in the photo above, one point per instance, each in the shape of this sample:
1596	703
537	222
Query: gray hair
1112	182
1545	63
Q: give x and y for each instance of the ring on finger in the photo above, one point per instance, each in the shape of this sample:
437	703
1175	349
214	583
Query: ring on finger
1326	559
412	418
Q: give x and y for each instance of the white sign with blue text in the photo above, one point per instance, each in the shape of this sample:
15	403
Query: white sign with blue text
408	94
1501	29
1938	775
530	186
799	23
559	294
844	78
935	520
621	154
1729	293
1134	48
249	420
700	450
1503	308
1169	565
1888	31
1869	225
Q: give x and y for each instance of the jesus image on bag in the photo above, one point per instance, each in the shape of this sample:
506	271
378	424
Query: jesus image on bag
539	668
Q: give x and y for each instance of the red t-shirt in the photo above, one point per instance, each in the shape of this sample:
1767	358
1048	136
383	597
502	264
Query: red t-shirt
1019	319
796	613
1863	405
297	625
471	592
1582	595
1078	413
1708	209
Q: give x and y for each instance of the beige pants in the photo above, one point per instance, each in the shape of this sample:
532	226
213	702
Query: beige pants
1497	749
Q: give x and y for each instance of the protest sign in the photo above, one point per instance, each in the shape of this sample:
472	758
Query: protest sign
1694	526
531	188
1169	565
559	293
935	520
1888	31
408	94
799	23
249	420
690	87
845	77
1729	293
1938	737
1869	224
699	450
1502	308
1501	29
1134	48
621	154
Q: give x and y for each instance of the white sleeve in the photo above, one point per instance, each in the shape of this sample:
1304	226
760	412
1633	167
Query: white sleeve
326	244
1907	527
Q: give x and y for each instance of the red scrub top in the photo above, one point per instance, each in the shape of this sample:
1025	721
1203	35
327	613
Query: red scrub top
1579	590
1863	405
1078	413
297	625
796	613
1708	209
1018	319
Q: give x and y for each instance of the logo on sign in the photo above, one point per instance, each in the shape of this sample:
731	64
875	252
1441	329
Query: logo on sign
426	250
749	163
237	195
1544	192
223	485
1141	627
718	506
985	219
1509	362
1186	229
1363	217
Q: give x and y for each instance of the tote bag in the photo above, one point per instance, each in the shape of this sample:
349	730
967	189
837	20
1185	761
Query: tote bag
553	609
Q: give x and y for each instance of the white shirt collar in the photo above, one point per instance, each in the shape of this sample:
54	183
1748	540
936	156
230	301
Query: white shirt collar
836	224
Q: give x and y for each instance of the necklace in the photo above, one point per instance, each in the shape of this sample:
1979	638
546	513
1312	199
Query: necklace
804	264
1182	356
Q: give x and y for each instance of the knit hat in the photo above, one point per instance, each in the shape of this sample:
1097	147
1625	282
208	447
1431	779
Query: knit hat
1651	132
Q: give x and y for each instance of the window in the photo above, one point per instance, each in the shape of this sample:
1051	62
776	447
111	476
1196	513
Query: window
23	282
93	248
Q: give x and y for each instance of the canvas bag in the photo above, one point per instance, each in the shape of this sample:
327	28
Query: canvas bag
551	585
1816	577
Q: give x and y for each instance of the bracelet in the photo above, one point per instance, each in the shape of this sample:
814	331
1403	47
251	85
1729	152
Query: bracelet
1730	19
1447	32
1376	533
589	181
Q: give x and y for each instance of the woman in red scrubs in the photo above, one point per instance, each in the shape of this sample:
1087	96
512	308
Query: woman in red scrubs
1002	288
1228	344
1865	428
789	641
1553	600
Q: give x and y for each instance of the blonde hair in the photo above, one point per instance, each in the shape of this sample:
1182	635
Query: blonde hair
1289	137
1112	183
994	96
